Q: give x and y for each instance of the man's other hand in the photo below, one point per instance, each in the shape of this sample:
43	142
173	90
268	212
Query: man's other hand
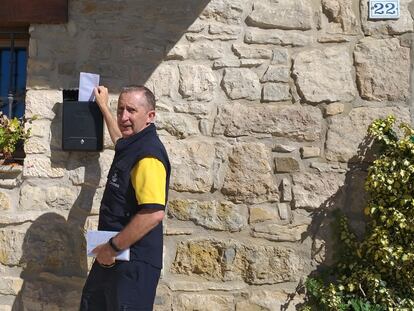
104	254
102	97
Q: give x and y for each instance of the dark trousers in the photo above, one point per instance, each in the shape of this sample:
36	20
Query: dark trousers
129	285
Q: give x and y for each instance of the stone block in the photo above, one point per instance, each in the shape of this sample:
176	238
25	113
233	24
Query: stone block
207	50
88	169
383	69
278	37
241	83
223	216
226	63
164	81
46	295
263	212
224	11
324	75
39	166
286	165
284	14
249	175
284	211
220	29
279	233
230	260
197	26
318	190
282	148
193	163
340	146
310	152
163	298
47	197
271	300
172	230
275	92
247	306
178	125
276	74
203	302
42	103
341	17
196	37
40	128
5	203
40	67
197	82
251	63
190	284
179	51
334	109
12	241
286	186
249	52
9	184
280	56
329	167
10	171
37	145
302	123
10	285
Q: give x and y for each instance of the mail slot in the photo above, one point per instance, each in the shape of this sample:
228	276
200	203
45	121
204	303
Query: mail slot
82	128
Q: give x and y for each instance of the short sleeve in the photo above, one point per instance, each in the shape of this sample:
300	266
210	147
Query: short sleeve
148	178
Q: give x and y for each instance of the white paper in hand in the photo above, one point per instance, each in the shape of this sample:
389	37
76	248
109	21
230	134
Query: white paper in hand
95	238
87	82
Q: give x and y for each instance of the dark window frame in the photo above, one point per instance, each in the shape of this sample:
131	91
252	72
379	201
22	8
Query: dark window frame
13	39
34	11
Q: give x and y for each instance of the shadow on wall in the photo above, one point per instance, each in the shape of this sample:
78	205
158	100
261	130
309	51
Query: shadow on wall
350	199
54	247
123	41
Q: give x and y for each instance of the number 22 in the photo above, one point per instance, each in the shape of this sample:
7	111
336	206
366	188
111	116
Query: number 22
389	7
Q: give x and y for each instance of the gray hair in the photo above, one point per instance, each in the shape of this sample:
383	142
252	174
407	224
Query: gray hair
148	95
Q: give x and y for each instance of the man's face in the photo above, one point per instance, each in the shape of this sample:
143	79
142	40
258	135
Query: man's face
133	115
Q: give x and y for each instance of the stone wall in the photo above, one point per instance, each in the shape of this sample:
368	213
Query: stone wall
263	107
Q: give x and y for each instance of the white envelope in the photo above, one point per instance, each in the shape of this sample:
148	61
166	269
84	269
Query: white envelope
87	82
95	238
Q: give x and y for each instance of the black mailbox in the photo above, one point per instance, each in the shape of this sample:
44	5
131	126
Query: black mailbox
82	128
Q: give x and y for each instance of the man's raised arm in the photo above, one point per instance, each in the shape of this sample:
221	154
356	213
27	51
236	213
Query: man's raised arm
102	98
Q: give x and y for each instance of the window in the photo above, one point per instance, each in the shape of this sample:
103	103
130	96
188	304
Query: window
13	63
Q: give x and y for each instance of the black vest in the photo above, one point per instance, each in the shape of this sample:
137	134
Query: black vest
119	203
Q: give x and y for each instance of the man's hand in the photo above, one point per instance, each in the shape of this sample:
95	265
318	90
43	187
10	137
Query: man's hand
102	97
105	254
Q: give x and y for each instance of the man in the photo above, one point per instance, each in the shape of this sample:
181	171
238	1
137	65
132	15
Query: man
133	204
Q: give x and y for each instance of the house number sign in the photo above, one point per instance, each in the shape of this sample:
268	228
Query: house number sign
384	9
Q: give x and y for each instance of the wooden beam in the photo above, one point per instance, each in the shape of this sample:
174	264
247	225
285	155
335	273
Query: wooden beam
33	11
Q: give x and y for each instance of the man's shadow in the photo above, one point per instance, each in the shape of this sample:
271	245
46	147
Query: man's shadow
54	247
350	200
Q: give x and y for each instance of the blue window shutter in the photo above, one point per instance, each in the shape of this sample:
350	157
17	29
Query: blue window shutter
21	62
4	79
19	80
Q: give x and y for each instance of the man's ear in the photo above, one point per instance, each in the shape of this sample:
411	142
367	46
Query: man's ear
150	116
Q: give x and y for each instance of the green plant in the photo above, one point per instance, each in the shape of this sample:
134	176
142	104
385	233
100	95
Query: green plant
12	131
377	272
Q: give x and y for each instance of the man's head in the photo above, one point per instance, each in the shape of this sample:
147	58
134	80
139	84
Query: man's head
136	109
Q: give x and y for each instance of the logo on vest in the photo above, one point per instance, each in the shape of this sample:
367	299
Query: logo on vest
114	180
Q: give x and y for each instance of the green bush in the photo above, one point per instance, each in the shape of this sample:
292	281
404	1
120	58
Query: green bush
12	131
376	272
